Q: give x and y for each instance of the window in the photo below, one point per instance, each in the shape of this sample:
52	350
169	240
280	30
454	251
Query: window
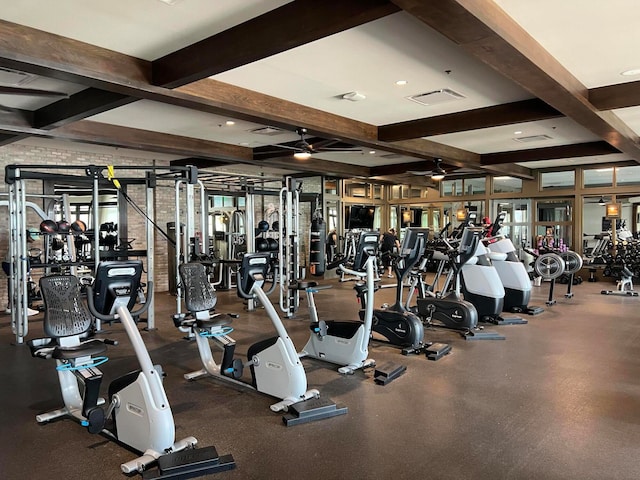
451	188
628	175
358	190
551	180
507	185
598	177
475	186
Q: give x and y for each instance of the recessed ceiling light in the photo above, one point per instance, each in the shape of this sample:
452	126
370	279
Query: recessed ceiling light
629	73
517	132
372	152
401	82
230	122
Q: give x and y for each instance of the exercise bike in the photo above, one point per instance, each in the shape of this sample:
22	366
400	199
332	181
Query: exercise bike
345	343
447	308
275	367
138	414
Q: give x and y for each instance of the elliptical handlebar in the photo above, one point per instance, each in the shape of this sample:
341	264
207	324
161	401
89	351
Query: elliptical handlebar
110	318
359	273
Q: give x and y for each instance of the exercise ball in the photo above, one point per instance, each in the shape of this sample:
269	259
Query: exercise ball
263	226
48	226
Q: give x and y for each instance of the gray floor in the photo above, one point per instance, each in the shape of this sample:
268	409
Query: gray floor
559	399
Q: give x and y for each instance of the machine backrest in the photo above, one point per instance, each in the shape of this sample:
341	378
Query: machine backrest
117	283
367	246
254	267
469	243
199	294
65	314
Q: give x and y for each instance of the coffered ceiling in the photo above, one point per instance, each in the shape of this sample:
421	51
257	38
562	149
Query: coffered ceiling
510	86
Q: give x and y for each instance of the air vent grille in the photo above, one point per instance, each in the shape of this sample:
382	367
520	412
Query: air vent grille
533	138
391	156
436	96
268	131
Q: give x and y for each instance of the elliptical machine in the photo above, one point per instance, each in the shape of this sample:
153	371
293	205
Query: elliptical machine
275	367
138	411
513	274
447	308
395	323
345	343
481	284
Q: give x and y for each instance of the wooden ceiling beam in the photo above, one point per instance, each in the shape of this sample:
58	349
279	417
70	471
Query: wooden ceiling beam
291	25
549	153
79	106
486	32
49	55
516	112
116	136
621	95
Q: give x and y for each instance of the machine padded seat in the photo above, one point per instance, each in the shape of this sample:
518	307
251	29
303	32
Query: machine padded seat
85	349
216	321
303	285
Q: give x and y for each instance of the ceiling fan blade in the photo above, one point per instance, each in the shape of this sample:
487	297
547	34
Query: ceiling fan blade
7	90
356	150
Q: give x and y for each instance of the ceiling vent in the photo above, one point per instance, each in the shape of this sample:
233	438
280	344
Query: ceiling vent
268	131
391	156
14	77
436	96
533	138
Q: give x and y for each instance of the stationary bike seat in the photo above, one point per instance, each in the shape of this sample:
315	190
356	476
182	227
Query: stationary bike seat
498	256
216	321
85	349
303	285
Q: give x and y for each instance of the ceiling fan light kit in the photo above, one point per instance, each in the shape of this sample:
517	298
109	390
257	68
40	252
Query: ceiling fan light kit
438	172
304	155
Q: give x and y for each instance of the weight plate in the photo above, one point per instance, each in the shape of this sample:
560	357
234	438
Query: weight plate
549	266
572	261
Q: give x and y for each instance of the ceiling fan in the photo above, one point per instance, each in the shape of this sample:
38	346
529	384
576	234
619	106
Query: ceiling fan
303	149
437	173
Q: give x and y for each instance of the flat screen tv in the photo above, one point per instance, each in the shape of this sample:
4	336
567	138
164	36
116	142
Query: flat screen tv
361	217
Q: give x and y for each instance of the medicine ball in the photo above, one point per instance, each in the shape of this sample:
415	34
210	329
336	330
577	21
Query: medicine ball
273	244
63	226
275	226
262	244
79	226
263	226
48	226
